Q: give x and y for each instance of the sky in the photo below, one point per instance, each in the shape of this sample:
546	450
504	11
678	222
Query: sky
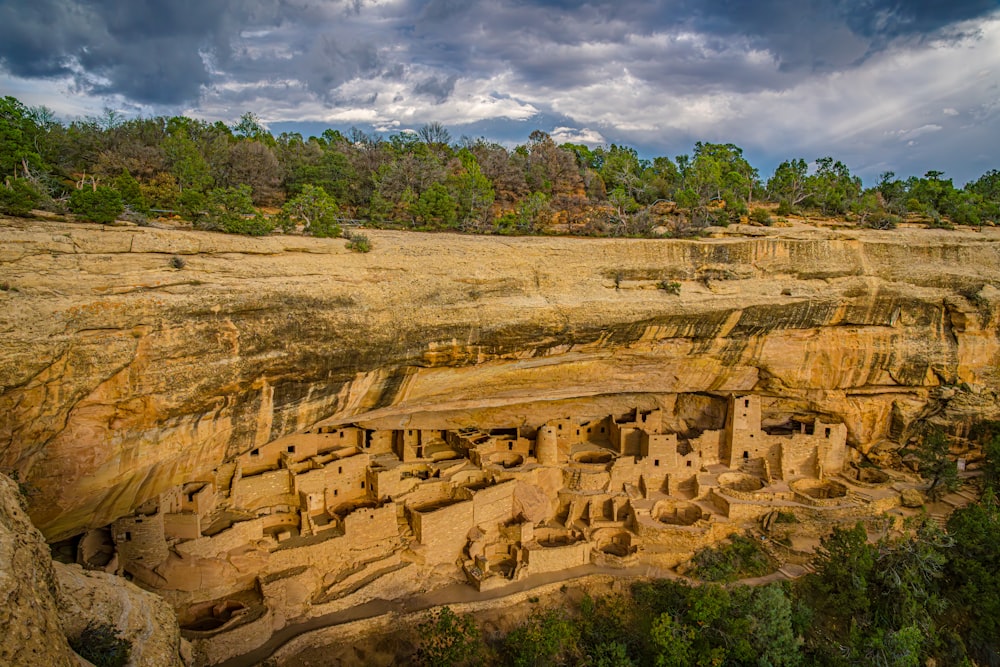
879	84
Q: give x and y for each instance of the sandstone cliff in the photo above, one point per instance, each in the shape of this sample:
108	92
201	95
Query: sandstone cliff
30	633
121	376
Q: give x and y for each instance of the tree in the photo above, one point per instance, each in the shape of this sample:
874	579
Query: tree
434	134
473	192
18	132
131	192
833	188
447	639
98	204
253	163
672	642
249	126
973	577
18	197
316	210
546	637
436	207
788	185
936	464
231	210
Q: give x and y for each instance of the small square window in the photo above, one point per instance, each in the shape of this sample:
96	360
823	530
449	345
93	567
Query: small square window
688	464
254	452
291	449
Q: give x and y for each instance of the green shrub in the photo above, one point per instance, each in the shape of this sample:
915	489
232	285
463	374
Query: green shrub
359	243
101	645
231	210
131	193
447	639
316	209
670	286
881	220
784	207
18	197
761	216
101	204
742	557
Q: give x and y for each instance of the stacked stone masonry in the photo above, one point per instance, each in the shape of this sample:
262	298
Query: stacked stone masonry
307	523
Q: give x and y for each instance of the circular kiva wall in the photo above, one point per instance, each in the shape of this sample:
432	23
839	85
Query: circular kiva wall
599	457
506	459
819	491
554	537
676	512
617	543
739	481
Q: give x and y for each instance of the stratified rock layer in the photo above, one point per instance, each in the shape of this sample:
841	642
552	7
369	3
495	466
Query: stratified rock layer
121	376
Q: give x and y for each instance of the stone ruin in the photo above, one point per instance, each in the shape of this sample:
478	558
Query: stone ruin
317	521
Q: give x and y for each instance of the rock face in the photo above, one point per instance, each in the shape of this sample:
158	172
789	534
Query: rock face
30	633
121	376
145	620
45	602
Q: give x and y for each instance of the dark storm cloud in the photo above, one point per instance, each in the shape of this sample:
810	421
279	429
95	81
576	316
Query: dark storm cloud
167	52
145	50
161	52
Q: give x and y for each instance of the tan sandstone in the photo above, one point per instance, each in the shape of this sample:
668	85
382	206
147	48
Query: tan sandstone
121	377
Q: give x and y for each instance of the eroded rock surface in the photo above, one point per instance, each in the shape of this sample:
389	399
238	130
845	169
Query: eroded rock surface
143	619
30	633
121	377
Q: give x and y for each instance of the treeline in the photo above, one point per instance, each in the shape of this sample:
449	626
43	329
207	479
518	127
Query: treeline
243	179
929	596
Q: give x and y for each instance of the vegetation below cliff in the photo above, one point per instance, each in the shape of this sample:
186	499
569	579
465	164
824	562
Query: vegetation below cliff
906	599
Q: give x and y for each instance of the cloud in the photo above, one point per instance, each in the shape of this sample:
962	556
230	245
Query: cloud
562	135
794	75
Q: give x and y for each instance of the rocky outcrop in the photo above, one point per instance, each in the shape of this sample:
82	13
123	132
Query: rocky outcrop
30	633
143	619
121	376
46	602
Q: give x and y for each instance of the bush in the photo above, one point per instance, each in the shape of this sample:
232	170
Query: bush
131	192
742	557
670	286
18	197
101	645
177	262
761	216
359	243
231	210
100	204
447	639
316	209
881	220
784	207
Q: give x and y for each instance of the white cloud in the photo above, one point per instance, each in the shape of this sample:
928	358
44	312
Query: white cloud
562	135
